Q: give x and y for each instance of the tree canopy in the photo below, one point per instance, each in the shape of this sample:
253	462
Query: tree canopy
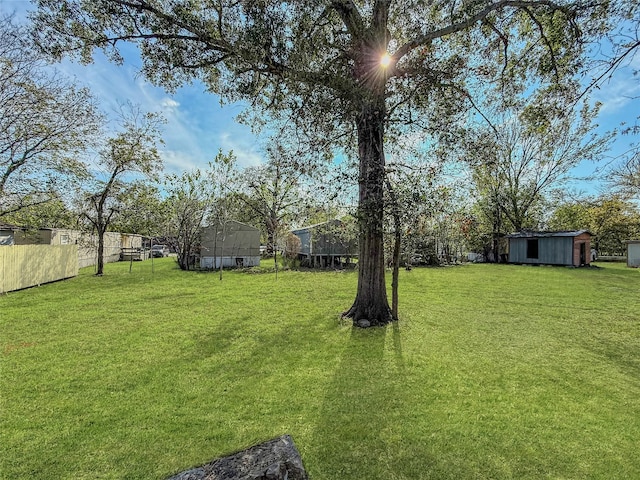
131	150
321	60
45	121
611	219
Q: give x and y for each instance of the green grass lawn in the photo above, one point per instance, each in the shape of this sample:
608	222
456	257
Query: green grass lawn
493	371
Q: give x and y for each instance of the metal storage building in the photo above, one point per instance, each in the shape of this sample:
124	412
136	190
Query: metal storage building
633	253
570	248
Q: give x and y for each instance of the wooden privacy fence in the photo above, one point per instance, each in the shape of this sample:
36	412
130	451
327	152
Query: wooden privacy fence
23	266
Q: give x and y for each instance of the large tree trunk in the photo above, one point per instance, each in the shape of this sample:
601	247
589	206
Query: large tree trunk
371	298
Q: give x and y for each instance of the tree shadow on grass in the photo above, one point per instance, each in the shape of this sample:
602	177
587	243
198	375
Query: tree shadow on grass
617	354
360	429
260	381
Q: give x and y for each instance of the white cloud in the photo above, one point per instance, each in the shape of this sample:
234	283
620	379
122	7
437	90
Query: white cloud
621	91
178	161
245	148
615	104
169	104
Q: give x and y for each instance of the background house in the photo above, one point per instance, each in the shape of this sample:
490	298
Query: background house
234	244
550	248
326	244
633	253
14	235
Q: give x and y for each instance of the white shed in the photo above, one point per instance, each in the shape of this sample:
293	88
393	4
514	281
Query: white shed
633	253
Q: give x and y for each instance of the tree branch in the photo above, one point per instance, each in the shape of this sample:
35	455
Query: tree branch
465	24
350	16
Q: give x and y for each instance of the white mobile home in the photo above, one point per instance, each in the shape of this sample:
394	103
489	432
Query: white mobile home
232	244
87	243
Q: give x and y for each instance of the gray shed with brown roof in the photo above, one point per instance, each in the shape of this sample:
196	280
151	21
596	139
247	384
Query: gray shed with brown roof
570	248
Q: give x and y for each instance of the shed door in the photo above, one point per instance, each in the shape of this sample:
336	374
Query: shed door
583	253
532	248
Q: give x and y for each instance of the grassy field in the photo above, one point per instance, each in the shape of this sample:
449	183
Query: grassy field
493	371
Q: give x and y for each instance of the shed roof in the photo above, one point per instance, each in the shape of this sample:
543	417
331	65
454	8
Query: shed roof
6	226
310	227
243	226
532	234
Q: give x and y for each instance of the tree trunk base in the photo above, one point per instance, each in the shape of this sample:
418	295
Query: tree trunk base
369	316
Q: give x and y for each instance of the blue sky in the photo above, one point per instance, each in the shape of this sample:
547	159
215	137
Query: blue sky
198	126
620	98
